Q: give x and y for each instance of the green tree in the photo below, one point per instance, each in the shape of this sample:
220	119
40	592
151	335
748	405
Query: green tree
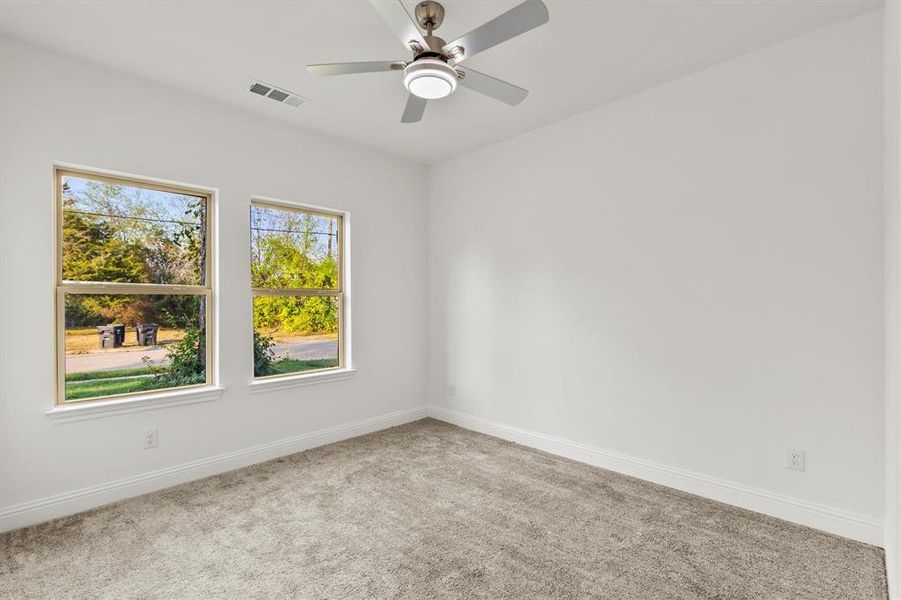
285	255
92	252
116	233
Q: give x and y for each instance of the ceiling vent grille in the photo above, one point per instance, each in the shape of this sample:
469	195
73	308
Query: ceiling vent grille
259	88
274	93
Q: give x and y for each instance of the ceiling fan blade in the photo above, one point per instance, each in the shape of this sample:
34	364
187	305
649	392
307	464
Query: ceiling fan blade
398	19
495	88
355	67
414	110
519	19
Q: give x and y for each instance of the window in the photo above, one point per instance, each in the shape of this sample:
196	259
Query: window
133	289
297	275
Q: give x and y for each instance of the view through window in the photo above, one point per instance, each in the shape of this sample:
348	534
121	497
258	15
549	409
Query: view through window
296	272
133	286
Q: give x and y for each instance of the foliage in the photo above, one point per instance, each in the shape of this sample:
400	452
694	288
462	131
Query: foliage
265	362
263	355
123	234
93	252
186	360
294	250
303	315
285	262
170	311
126	234
186	364
165	227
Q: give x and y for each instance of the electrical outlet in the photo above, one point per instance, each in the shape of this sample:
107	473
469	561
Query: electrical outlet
451	390
794	460
151	439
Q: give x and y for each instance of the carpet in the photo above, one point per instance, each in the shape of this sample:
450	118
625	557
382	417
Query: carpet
429	510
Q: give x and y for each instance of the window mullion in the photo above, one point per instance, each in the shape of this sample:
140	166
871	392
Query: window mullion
87	287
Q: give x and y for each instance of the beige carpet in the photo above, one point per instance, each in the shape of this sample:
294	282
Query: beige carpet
428	510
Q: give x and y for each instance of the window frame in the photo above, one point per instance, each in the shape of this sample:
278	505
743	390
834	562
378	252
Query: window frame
341	292
63	286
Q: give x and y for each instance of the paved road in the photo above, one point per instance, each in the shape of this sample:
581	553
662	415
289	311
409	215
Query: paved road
133	358
307	349
114	360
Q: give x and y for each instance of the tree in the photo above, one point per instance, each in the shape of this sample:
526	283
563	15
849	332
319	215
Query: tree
117	233
287	252
92	252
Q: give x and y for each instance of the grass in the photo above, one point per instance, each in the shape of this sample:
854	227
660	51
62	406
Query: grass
291	365
92	375
96	384
109	387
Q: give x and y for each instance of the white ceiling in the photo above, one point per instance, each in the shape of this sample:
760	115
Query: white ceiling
590	53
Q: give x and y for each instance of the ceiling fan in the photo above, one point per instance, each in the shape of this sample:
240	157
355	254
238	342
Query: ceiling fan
435	71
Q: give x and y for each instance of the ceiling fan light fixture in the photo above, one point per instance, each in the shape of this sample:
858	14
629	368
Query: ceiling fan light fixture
430	79
429	76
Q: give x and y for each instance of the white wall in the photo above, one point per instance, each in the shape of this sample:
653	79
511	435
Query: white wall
892	18
691	276
58	109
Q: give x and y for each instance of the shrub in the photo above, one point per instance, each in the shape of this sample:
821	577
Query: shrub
263	355
187	361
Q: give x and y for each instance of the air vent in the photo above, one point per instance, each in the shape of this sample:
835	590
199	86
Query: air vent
274	93
259	88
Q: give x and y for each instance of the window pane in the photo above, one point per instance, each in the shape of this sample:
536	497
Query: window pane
118	344
292	249
294	334
116	232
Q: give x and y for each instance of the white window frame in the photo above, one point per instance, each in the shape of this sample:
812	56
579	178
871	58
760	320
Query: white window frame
129	402
342	292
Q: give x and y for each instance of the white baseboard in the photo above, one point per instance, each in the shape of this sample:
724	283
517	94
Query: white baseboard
68	503
840	522
848	524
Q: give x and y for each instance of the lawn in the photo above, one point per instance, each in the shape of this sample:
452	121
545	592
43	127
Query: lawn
97	384
108	386
291	365
92	375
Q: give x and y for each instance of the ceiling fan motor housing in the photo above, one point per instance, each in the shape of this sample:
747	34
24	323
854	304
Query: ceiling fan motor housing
430	78
429	15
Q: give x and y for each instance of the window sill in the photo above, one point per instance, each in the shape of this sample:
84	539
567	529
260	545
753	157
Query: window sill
292	381
105	408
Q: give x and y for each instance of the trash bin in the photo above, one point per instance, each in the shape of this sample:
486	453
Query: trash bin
147	334
111	336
